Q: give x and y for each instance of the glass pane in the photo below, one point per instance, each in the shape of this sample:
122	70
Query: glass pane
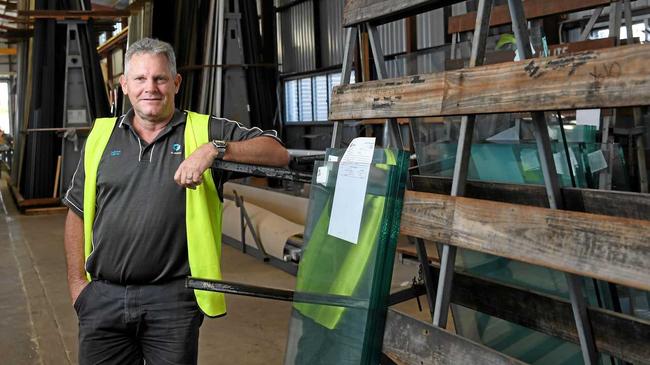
305	101
352	281
333	80
291	100
321	96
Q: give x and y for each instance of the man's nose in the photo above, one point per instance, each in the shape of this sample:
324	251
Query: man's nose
150	85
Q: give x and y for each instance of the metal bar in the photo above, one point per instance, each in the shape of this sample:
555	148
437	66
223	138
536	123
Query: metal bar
427	273
377	52
590	24
640	153
264	171
218	107
274	293
605	176
392	135
566	149
406	294
627	10
348	55
581	317
552	184
423	259
207	73
256	238
448	257
242	223
615	21
454	45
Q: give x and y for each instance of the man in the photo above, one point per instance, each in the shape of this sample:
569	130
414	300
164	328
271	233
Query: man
145	213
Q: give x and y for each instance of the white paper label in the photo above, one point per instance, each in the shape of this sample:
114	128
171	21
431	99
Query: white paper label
350	189
321	175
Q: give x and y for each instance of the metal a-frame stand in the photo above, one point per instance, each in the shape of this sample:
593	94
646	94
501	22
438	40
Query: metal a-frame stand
448	258
76	112
394	139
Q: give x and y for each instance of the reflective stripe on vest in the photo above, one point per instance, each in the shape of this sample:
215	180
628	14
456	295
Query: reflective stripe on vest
202	208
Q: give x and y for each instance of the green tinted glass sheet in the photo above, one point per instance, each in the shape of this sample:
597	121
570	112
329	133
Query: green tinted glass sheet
513	158
346	332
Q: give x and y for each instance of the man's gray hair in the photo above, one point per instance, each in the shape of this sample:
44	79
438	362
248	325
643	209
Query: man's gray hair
151	46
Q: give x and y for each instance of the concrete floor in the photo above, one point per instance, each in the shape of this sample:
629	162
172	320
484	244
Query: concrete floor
39	326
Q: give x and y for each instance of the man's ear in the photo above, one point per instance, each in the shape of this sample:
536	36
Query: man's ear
177	82
125	89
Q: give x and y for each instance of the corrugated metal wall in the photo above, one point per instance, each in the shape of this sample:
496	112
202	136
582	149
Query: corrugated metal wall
431	29
396	67
297	37
393	37
332	35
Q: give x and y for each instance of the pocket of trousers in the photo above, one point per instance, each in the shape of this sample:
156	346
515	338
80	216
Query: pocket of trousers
82	297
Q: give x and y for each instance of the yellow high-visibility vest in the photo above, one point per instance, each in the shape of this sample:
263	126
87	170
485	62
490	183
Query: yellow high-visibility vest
202	208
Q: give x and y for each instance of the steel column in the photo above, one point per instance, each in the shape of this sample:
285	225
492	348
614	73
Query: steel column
551	182
348	56
448	258
392	134
590	24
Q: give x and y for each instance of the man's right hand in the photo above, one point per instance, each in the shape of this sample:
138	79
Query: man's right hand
74	254
76	288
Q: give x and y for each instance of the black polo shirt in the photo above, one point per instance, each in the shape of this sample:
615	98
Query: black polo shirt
139	230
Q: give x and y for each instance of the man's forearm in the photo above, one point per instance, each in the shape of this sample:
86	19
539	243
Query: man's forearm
74	253
258	151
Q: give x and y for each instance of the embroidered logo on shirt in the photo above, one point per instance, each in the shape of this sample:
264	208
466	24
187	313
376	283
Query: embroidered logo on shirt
176	149
115	153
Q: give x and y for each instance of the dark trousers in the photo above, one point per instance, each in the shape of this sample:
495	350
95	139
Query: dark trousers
131	324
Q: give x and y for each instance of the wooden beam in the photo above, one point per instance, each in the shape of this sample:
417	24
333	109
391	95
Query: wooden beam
414	342
532	9
495	57
602	247
7	51
612	77
617	334
113	42
581	46
383	11
606	202
74	14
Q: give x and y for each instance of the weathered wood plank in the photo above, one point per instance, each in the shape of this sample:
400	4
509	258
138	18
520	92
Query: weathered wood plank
612	77
532	9
496	57
417	343
606	202
581	46
382	11
606	248
617	334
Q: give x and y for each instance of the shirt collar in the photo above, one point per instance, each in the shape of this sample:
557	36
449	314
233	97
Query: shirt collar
179	117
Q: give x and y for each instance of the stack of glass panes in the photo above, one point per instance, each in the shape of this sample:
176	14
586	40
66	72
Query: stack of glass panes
345	325
504	150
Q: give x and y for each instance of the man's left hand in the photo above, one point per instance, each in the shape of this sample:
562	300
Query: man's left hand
190	172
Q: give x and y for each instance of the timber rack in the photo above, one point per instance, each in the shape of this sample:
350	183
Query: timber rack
581	232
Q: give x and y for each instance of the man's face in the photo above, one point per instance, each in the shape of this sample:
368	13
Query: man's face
150	87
